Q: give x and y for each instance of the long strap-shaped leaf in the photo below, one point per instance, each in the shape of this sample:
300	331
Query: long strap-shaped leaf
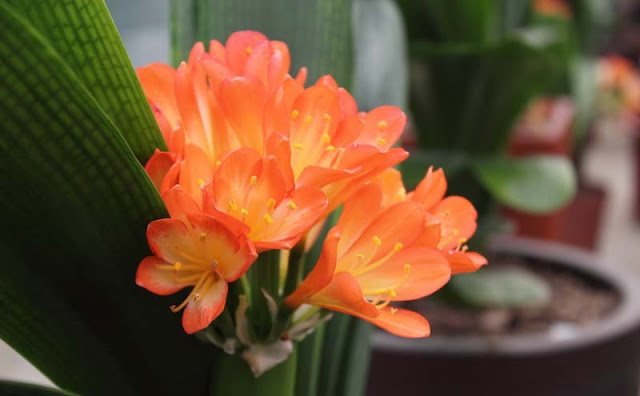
75	207
318	32
8	388
84	35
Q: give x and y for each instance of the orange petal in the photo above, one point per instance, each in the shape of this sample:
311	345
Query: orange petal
343	294
430	235
158	82
383	126
412	273
243	101
195	173
155	280
358	213
278	64
170	239
239	47
171	177
216	70
233	255
294	215
198	314
457	221
257	64
431	189
463	262
402	322
179	204
188	105
278	147
390	180
158	166
217	50
196	52
235	170
321	273
401	223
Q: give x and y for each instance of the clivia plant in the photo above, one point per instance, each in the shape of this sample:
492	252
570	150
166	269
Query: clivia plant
209	183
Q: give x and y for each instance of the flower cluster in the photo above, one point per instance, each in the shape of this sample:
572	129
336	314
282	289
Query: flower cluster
256	162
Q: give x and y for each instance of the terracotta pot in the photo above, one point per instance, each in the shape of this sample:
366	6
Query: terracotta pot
602	359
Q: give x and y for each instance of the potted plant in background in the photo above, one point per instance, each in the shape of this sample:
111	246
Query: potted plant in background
459	90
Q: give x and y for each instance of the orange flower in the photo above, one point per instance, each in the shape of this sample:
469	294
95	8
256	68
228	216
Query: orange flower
392	246
619	82
249	194
558	8
369	259
193	249
241	96
450	222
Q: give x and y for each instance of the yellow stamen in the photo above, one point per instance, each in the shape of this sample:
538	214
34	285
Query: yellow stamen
455	232
200	182
203	237
330	148
381	141
271	203
307	119
394	310
292	205
377	241
218	162
253	180
462	241
268	218
298	146
196	289
294	114
392	293
244	211
326	139
407	268
177	265
360	256
382	124
397	247
327	117
233	205
248	51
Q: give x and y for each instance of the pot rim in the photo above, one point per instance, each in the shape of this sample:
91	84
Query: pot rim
624	319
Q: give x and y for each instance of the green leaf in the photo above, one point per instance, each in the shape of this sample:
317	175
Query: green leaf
318	32
467	97
8	388
501	288
85	37
381	69
537	184
76	205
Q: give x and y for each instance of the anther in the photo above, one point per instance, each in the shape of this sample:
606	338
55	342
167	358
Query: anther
298	146
271	203
462	241
233	205
327	117
392	293
203	237
268	218
326	139
377	241
292	205
200	182
397	247
307	119
244	211
360	256
330	148
394	310
407	268
177	265
382	124
294	114
253	180
381	141
248	51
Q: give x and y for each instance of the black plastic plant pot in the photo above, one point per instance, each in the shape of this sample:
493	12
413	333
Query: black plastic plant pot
599	359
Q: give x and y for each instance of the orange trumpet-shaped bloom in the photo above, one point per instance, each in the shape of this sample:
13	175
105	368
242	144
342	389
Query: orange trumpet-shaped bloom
241	96
250	194
193	249
618	79
450	222
370	259
557	8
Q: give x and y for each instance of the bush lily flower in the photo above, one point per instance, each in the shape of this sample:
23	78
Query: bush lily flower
255	163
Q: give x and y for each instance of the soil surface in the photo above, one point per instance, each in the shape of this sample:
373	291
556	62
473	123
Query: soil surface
576	300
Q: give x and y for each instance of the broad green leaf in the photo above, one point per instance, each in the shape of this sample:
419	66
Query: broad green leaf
318	32
76	205
583	90
381	69
501	288
467	97
8	388
537	184
355	362
85	37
